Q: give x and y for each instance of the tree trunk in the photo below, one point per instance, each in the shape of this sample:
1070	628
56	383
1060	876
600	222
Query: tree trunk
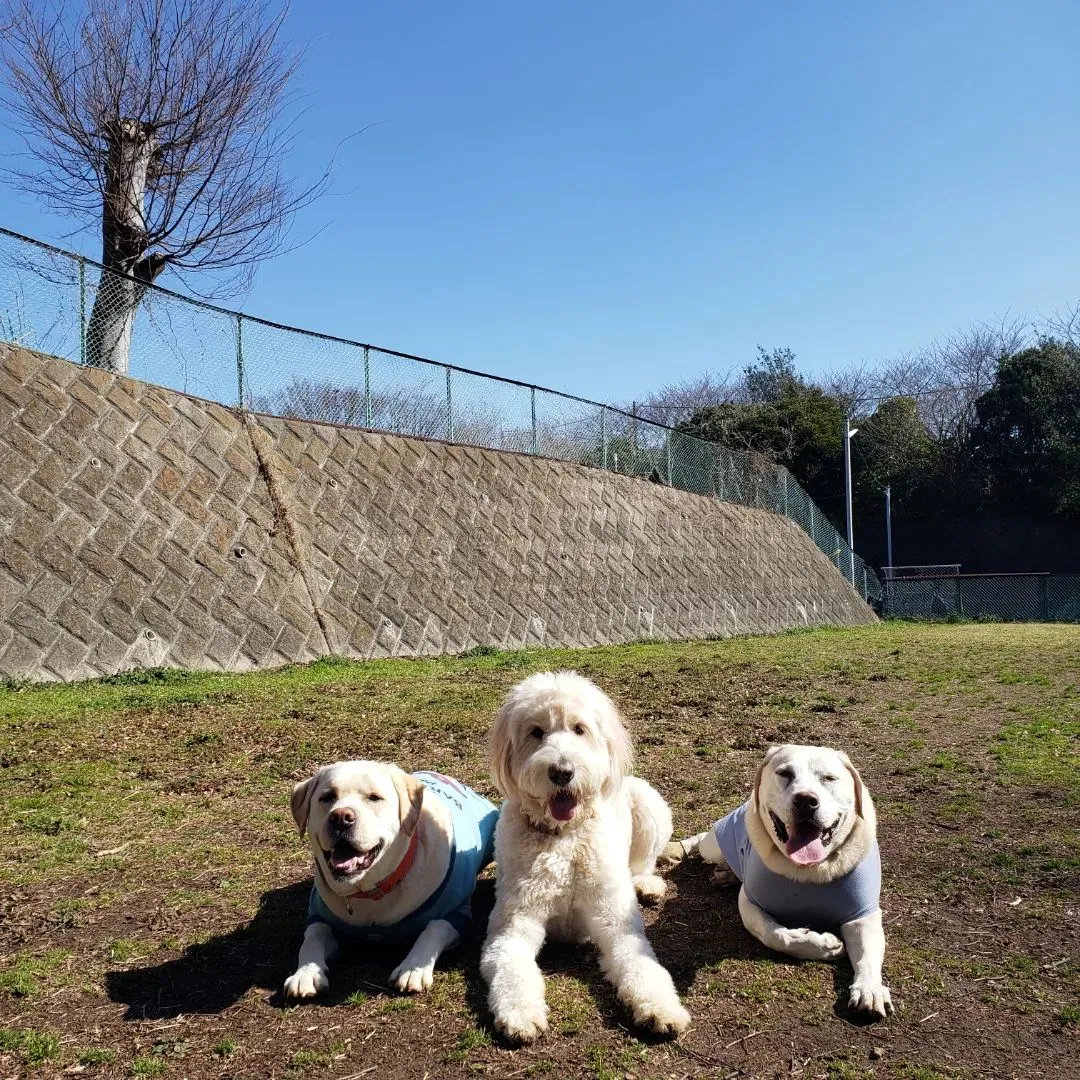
124	242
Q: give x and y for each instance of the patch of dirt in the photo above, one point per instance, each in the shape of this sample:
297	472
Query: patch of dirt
171	953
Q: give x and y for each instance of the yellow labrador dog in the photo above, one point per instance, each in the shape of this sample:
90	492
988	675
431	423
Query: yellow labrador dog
396	859
805	849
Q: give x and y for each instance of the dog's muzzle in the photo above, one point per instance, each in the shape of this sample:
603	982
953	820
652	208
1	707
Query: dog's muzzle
346	860
805	842
563	805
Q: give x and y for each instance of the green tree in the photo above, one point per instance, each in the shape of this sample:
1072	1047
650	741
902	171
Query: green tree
772	376
799	426
1025	442
894	449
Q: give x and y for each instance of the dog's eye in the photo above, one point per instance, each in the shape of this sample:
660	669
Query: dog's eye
328	797
375	797
829	779
786	774
579	729
536	733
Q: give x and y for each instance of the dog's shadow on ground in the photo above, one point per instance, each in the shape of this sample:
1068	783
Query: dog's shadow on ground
696	928
211	976
699	926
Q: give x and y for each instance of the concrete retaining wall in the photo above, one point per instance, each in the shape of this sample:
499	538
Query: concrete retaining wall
142	527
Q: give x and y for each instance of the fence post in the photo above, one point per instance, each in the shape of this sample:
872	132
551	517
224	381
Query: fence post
532	410
240	389
82	312
603	437
784	476
449	409
670	477
367	388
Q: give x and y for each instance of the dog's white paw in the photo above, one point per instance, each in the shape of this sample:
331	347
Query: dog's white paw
724	878
873	998
306	982
662	1017
810	945
524	1022
650	888
412	980
673	852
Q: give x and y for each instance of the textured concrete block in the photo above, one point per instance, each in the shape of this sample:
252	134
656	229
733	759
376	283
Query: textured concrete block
148	527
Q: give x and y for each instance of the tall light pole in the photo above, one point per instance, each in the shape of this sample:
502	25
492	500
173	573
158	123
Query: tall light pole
888	523
849	434
888	549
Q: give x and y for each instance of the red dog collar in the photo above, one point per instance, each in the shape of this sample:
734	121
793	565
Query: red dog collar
389	884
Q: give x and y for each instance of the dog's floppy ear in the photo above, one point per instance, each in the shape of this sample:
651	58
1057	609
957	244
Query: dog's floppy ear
619	746
501	748
769	755
857	780
300	803
410	793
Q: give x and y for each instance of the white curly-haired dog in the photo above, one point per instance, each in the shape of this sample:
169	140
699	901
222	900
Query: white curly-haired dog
576	837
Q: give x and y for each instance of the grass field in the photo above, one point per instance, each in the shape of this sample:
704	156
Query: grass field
152	886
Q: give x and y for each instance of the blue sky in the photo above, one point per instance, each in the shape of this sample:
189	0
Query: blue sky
602	197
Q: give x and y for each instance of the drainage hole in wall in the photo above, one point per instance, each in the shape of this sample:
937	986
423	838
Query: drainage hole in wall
239	552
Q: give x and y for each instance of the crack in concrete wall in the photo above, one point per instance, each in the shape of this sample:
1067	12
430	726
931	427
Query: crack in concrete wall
139	526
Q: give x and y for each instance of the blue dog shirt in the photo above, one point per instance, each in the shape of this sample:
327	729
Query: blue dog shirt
825	906
473	821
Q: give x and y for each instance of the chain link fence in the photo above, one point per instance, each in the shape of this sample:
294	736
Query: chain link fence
67	306
990	597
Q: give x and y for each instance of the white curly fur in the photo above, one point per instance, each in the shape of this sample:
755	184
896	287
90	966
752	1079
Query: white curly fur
572	877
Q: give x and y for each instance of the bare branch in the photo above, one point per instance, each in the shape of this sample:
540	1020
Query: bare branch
208	84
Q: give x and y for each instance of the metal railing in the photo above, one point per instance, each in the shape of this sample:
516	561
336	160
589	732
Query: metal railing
66	305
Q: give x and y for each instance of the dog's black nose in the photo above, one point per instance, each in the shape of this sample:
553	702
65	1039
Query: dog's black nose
805	801
342	817
560	776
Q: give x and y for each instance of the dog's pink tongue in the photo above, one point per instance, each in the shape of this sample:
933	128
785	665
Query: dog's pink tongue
563	806
805	847
348	865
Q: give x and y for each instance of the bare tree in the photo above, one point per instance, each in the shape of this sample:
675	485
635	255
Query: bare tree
948	376
166	121
1063	325
402	411
678	401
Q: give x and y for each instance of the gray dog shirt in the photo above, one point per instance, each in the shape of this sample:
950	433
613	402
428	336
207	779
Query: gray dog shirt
797	904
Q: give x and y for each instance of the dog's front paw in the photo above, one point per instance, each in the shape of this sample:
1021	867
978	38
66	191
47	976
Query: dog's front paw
523	1023
306	982
662	1018
673	852
724	878
810	945
412	980
871	998
650	888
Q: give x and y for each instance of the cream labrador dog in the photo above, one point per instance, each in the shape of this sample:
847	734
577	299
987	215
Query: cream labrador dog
805	849
396	859
576	837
